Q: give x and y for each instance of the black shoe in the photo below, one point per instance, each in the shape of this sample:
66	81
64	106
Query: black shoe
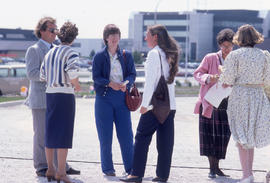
133	179
72	171
212	175
158	179
112	174
42	172
220	173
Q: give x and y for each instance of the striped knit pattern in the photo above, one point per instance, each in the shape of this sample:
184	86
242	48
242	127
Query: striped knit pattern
58	68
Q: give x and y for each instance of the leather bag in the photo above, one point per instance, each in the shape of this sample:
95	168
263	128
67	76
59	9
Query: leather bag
133	97
161	99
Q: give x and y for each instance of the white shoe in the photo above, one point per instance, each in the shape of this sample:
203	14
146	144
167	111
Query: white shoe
249	179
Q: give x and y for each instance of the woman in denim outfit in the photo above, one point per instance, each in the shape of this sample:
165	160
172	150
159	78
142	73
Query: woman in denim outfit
110	70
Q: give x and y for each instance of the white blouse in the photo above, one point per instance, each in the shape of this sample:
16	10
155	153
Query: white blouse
152	76
116	74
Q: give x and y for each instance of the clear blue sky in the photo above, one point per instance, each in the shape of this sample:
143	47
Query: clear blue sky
92	15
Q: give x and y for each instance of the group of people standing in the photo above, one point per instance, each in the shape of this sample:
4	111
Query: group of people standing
52	70
53	75
245	113
111	68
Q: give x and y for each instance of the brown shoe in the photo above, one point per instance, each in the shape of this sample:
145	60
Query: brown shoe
50	174
63	178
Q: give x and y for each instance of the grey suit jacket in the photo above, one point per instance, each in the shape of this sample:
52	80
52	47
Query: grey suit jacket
33	58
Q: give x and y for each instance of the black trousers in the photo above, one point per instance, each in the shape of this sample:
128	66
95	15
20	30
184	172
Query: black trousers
147	126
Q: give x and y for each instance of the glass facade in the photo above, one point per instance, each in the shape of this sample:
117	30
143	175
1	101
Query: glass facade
233	19
176	24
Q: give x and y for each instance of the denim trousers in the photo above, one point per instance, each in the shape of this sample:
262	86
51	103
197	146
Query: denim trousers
111	109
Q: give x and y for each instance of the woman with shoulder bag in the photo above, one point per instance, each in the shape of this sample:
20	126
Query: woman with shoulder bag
163	58
111	71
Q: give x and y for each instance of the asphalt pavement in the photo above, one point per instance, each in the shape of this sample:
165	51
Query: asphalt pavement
16	164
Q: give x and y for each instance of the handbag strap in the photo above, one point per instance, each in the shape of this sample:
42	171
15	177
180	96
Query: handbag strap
125	62
162	72
220	62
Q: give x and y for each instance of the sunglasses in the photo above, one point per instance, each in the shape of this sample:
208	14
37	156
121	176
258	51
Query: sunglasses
53	30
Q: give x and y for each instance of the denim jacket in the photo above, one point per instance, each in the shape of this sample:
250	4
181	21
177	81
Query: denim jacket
102	67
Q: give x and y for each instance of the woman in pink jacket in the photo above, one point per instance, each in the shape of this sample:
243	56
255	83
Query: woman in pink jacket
213	122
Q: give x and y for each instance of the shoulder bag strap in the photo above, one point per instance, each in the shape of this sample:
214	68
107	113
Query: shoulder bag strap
125	62
162	72
220	62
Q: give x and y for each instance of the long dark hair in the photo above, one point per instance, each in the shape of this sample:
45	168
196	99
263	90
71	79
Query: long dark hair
169	46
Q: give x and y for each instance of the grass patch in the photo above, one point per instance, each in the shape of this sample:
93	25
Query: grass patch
10	98
186	91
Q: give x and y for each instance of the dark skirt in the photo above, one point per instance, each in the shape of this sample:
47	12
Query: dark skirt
60	115
214	132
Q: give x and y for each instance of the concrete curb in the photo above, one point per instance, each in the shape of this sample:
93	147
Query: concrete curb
11	103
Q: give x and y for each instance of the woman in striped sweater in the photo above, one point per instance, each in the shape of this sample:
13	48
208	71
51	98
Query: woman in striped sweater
59	70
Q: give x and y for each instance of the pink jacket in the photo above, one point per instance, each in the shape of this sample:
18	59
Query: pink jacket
208	66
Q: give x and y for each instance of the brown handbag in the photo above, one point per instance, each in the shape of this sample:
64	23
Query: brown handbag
133	97
161	99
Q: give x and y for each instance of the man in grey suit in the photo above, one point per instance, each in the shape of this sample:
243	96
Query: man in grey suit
45	31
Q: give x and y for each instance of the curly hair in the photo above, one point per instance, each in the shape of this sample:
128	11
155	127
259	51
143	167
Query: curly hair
42	25
247	36
68	32
109	30
225	35
169	45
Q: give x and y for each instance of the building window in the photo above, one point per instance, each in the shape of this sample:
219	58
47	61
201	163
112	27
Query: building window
167	22
193	51
15	36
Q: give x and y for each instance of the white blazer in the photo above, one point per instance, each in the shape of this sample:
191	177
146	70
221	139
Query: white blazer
152	76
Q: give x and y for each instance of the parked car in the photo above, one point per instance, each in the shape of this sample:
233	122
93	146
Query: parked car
12	78
84	63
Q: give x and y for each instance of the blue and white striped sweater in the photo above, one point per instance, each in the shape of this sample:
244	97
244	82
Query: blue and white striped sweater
58	68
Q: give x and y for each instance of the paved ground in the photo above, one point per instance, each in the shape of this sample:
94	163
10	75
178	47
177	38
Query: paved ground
187	166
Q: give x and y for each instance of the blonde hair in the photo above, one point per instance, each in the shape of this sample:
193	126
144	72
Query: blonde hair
247	36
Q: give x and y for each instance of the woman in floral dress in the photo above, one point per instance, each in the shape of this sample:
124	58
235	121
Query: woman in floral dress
247	70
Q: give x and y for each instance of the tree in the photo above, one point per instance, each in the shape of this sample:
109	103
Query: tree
92	53
137	56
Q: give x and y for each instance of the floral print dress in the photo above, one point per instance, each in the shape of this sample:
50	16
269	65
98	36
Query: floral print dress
246	69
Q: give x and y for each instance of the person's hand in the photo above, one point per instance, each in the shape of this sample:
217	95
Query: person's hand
77	88
143	110
123	87
220	68
115	86
214	78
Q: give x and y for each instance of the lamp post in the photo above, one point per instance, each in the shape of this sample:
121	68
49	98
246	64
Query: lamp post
187	40
155	15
